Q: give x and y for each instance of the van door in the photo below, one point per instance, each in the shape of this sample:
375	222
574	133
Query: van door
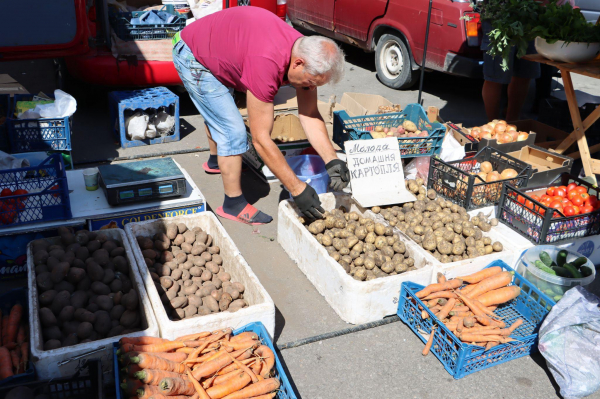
353	18
314	12
42	29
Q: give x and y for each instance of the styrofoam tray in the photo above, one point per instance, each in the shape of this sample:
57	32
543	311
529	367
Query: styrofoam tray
261	306
356	302
64	362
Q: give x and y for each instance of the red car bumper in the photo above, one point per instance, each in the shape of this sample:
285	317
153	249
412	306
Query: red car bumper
101	68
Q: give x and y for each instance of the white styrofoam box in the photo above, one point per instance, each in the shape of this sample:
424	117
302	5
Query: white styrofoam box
356	302
50	364
261	307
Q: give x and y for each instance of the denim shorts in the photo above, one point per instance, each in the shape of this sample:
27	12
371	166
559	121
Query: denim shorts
214	102
492	66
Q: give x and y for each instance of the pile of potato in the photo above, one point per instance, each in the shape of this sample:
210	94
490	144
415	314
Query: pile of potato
189	274
84	289
366	250
444	229
386	109
405	130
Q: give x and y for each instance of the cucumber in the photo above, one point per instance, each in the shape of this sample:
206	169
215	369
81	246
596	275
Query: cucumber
557	298
585	271
544	257
548	292
540	265
579	262
561	271
561	258
573	270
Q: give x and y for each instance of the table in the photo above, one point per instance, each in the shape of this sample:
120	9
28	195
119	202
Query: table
591	166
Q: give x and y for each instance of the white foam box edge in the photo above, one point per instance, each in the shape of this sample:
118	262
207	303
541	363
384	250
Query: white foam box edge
261	307
356	302
47	362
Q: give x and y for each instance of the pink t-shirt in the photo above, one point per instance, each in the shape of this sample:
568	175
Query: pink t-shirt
247	48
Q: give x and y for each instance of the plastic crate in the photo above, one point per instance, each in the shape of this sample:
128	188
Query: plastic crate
44	134
86	383
285	391
121	24
457	182
153	98
532	220
47	198
347	128
461	359
7	301
4	113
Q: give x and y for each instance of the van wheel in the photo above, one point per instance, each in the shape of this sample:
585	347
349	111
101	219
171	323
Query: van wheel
392	60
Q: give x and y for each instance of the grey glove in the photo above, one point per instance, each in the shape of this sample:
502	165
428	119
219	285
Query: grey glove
339	174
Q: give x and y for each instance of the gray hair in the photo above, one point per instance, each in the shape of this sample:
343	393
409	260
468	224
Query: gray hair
322	56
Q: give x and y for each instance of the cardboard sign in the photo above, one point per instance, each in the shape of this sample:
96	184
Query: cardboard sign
376	172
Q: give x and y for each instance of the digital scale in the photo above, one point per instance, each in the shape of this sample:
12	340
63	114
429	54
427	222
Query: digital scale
154	179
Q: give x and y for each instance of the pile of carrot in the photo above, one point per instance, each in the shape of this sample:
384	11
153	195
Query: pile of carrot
207	365
466	306
14	349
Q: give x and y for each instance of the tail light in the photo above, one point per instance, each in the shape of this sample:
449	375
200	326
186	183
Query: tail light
281	9
473	28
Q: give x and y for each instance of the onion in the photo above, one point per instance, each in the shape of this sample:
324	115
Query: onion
504	138
514	135
483	176
491	177
511	127
485	135
487	128
500	128
385	130
508	174
486	167
475	133
522	136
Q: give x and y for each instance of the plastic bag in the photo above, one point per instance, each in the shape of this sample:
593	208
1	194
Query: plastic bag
569	340
418	167
452	150
64	105
206	7
136	126
164	122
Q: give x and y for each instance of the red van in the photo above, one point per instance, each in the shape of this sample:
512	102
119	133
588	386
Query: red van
395	31
77	30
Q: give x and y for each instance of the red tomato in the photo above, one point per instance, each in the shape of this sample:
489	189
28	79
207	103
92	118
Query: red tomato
571	186
587	209
550	191
591	200
563	187
8	214
535	197
529	204
547	201
557	198
569	211
6	192
544	197
20	192
572	194
577	210
521	199
577	200
581	189
561	192
556	205
55	187
565	201
585	196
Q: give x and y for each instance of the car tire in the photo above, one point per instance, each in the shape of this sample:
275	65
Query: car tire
393	63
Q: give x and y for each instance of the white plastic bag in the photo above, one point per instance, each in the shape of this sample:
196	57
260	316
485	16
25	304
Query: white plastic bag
206	7
452	150
64	105
136	126
569	340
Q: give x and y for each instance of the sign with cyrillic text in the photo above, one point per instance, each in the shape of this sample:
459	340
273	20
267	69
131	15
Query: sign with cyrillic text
376	172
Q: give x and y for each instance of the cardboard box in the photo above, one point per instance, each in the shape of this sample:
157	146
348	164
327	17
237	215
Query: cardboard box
546	136
285	101
358	104
461	134
287	125
8	85
546	165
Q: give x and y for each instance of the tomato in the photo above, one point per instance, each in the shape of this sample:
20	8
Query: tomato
544	197
557	198
6	192
535	197
550	191
591	200
547	201
529	204
8	214
20	192
55	187
565	201
563	187
556	205
587	209
581	189
577	210
561	192
521	199
571	194
571	186
585	196
577	200
569	211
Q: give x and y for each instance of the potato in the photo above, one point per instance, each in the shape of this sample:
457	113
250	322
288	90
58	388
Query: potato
179	302
130	300
189	237
47	318
99	288
116	312
104	302
210	303
388	267
345	265
380	242
401	268
128	319
444	247
458	248
66	314
497	246
488	249
237	305
317	227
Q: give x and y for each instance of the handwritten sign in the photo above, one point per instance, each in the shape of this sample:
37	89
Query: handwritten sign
376	172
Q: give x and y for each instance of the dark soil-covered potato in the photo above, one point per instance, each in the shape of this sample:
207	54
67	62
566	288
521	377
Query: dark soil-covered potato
94	271
129	319
52	333
66	314
130	300
84	330
102	324
62	299
100	288
47	297
104	302
47	318
52	344
116	312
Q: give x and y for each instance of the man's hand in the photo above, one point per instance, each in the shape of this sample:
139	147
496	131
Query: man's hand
309	204
339	174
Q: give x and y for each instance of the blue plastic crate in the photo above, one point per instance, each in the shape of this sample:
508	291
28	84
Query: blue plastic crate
121	24
44	134
4	112
285	390
7	301
47	195
347	128
461	359
154	98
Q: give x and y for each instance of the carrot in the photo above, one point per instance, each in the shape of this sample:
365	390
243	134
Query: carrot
431	288
130	386
491	283
490	345
266	354
469	321
14	319
21	335
458	307
432	302
162	347
153	377
199	390
142	340
14	357
446	309
234	367
244	336
440	294
5	363
484	309
441	279
474	308
149	361
467	289
245	368
481	275
477	330
24	354
131	369
427	347
267	396
185	350
435	309
483	338
161	396
193	337
222	379
174	357
241	344
515	325
4	330
234	385
219	362
146	391
460	314
461	324
176	386
259	388
499	296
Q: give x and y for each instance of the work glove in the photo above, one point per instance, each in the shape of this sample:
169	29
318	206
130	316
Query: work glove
309	203
338	173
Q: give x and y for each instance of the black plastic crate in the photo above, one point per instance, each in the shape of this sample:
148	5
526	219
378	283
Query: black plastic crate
85	384
535	221
457	181
125	30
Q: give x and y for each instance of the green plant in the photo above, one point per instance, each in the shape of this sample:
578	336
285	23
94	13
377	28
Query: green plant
566	24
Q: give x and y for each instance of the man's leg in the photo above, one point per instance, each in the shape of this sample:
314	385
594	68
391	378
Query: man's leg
212	159
492	92
517	94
